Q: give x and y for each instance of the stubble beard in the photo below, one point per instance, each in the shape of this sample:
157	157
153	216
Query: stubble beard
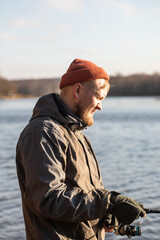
82	113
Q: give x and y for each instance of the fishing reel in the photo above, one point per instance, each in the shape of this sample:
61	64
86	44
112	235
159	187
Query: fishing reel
128	230
133	230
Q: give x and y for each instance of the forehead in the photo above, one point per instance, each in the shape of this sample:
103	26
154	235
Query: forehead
101	86
101	83
97	86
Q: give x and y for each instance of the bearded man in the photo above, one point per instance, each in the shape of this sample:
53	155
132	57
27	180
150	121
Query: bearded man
63	196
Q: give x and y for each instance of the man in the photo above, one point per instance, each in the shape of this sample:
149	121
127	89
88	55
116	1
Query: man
63	196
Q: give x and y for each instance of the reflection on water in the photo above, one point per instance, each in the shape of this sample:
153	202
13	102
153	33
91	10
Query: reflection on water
126	139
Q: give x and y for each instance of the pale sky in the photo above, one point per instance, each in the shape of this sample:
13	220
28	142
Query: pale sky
40	38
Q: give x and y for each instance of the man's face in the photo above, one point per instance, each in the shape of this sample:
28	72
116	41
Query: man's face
91	95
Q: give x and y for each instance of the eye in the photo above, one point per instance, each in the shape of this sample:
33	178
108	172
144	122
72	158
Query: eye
98	96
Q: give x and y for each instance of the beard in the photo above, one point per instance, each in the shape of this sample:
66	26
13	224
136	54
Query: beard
83	114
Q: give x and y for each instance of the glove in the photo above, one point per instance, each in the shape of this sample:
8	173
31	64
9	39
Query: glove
125	209
110	221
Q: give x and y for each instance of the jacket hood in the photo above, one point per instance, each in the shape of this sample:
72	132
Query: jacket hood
53	107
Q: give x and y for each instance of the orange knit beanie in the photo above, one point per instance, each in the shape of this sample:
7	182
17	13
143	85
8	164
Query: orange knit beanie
81	71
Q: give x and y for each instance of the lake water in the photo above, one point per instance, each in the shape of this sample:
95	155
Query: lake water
126	140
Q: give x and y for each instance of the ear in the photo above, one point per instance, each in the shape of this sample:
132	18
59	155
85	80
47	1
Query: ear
77	88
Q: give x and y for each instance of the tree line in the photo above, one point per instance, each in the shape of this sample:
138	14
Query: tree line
132	85
6	87
135	85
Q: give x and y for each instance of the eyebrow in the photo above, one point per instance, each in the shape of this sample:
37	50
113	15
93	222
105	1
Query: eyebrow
99	95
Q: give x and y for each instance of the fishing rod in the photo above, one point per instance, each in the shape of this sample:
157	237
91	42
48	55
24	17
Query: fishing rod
151	210
131	230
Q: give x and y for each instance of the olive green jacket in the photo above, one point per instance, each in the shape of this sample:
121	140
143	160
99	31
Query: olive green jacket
62	191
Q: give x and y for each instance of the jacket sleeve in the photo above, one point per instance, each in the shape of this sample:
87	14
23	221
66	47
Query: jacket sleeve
43	156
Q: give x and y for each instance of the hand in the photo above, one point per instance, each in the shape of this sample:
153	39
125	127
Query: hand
125	209
110	223
108	229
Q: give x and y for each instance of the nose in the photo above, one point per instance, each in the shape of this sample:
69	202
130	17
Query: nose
99	106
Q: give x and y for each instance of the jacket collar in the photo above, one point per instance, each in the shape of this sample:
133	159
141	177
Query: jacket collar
51	105
74	122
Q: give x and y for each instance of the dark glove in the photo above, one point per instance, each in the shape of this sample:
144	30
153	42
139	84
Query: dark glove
125	209
110	221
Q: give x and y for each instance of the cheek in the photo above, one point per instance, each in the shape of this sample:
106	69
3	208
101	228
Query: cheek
94	102
92	106
91	103
88	102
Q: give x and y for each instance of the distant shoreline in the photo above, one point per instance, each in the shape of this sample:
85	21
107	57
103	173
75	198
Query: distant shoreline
16	96
23	96
127	86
